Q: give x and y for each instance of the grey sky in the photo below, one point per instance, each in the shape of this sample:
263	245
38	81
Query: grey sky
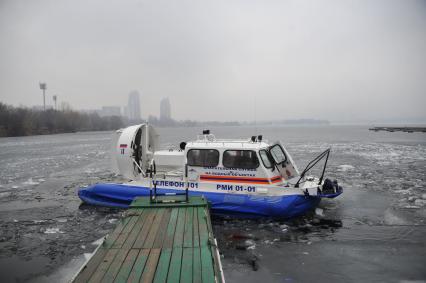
220	60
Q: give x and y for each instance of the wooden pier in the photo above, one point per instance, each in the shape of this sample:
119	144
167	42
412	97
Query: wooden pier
158	242
399	129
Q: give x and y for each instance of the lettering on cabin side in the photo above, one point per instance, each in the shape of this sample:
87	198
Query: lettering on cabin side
237	188
177	184
235	172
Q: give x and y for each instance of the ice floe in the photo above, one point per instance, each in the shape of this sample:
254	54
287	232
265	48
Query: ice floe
391	218
5	194
345	167
53	231
319	211
30	182
420	202
98	241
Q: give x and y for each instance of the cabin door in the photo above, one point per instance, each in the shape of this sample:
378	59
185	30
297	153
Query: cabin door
283	161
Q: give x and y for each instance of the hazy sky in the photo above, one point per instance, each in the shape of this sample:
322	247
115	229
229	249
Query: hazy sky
220	60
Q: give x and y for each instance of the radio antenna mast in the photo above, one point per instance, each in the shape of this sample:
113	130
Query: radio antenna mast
43	87
255	114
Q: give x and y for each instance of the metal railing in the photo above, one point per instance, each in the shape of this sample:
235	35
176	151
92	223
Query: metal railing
153	195
311	164
138	166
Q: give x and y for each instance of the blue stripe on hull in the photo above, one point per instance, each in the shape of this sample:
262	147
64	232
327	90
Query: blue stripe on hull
120	195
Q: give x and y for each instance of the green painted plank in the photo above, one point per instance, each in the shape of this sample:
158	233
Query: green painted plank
180	226
163	266
202	227
196	266
138	266
125	233
196	236
110	239
138	244
129	226
143	202
127	266
151	266
114	268
175	265
149	242
135	231
91	266
133	212
170	233
103	266
187	263
213	247
189	229
207	270
161	234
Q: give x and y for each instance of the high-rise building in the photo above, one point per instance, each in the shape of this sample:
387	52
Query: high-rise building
165	109
134	106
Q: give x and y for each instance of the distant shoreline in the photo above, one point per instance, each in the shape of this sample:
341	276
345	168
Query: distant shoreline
21	121
366	126
400	129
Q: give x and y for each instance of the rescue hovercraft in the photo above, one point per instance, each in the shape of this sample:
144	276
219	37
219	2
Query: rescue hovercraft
245	178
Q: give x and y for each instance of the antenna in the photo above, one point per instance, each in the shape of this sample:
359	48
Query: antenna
255	113
43	87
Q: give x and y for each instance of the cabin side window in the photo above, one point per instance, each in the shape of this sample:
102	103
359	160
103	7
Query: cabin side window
203	157
266	159
244	159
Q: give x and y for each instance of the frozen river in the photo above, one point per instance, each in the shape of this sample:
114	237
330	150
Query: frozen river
374	232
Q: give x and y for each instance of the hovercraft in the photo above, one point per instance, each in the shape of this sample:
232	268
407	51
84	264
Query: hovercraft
239	177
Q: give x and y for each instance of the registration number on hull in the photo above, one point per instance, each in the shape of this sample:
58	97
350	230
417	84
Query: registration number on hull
237	188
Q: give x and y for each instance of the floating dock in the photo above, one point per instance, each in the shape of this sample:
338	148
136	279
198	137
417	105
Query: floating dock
158	242
399	129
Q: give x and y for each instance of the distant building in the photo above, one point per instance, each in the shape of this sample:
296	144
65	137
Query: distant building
165	110
134	106
90	111
110	111
41	107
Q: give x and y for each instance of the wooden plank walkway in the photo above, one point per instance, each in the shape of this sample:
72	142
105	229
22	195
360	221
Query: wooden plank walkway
158	242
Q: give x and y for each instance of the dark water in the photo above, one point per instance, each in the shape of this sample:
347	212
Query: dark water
374	232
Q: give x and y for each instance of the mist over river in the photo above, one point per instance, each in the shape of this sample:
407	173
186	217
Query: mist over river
374	232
